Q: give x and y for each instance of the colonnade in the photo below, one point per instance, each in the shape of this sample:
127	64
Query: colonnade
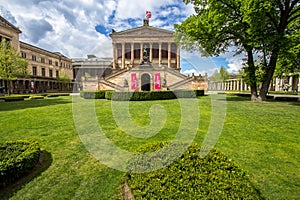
231	84
289	83
130	54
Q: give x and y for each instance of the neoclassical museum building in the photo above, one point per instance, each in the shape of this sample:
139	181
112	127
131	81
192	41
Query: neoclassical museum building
144	59
48	71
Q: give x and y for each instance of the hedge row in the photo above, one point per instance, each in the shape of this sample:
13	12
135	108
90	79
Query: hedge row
16	159
39	96
189	177
141	96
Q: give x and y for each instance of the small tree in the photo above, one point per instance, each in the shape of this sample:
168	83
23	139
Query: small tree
12	65
64	78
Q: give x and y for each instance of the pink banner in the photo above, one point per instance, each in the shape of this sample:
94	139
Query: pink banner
157	81
133	81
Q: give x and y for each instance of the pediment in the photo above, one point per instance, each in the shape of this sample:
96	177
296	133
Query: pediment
143	31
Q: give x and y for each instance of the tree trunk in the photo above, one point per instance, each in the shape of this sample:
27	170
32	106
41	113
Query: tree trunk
269	75
252	77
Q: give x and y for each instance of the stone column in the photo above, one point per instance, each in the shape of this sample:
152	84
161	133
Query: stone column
123	55
151	53
234	85
291	83
299	83
141	51
159	53
178	57
169	55
115	55
281	85
132	54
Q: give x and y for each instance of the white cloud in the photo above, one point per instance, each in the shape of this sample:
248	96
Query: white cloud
71	26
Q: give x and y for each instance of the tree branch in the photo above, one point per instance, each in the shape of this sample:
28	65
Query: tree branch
293	18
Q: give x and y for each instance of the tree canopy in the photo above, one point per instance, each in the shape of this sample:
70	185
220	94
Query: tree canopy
255	27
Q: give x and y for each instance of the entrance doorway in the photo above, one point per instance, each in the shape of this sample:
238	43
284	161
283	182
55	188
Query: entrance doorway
145	82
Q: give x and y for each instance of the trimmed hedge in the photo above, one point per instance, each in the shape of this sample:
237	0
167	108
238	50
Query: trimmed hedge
190	177
36	97
16	159
99	94
141	96
13	98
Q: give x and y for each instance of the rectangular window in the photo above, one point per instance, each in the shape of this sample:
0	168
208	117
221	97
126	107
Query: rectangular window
57	73
33	58
34	70
50	62
42	60
50	73
56	63
23	55
43	72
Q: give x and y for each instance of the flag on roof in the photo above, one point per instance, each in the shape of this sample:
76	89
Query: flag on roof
148	14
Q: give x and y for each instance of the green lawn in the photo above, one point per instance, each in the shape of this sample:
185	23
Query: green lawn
263	138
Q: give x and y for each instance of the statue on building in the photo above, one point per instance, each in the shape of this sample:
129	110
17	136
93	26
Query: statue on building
145	56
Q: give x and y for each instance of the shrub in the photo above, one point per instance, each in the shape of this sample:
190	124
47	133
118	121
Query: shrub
284	98
190	177
36	97
152	95
52	95
14	98
279	92
16	159
99	94
108	94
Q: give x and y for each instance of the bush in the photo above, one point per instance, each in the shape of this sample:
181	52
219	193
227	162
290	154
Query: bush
283	98
99	94
152	95
52	95
286	93
36	97
190	177
16	159
14	98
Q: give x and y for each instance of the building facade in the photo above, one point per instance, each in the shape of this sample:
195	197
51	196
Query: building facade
48	71
145	59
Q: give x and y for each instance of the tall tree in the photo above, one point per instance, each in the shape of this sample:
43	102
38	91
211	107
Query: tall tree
271	23
12	65
216	26
254	26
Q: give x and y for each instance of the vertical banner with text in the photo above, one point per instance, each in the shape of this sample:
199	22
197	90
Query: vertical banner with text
157	81
133	81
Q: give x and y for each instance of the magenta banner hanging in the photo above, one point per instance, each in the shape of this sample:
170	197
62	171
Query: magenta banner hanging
157	81
133	81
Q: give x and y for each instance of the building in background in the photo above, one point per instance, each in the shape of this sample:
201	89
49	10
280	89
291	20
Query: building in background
48	71
144	59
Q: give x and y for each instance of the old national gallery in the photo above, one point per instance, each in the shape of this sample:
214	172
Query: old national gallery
144	59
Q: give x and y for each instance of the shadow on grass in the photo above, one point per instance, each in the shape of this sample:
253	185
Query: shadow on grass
237	98
32	103
295	103
44	163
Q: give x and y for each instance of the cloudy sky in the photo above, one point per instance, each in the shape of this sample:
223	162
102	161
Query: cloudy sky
77	28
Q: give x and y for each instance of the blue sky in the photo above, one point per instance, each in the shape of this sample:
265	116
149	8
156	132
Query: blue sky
77	28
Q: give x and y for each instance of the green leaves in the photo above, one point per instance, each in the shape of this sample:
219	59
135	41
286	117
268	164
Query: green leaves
11	63
16	159
190	177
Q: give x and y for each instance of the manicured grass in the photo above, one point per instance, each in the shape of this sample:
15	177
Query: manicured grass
262	138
